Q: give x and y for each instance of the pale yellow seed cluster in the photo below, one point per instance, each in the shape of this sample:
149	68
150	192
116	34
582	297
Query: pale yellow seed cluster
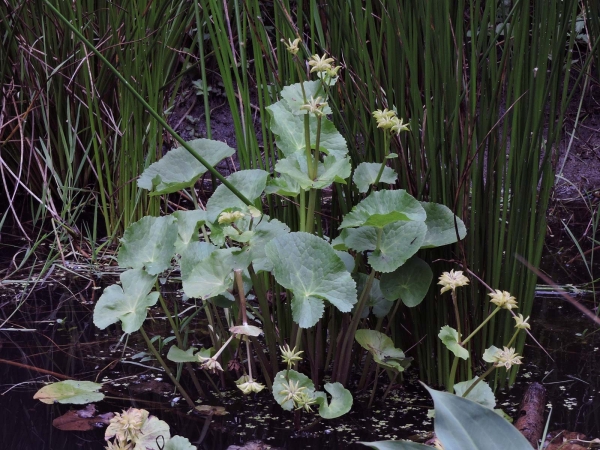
521	323
230	217
315	106
503	299
388	120
507	358
292	46
250	386
451	280
290	356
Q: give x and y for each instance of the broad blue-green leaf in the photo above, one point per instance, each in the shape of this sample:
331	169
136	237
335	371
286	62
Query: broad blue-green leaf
347	258
360	239
280	387
193	254
449	337
263	232
399	241
179	443
383	350
152	436
329	171
440	225
310	268
190	355
129	303
292	94
70	391
376	300
409	282
188	224
366	174
338	243
481	393
211	276
341	401
283	185
149	243
178	169
251	183
381	208
490	354
461	424
332	142
396	445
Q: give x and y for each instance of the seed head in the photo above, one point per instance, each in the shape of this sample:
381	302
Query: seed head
503	299
451	280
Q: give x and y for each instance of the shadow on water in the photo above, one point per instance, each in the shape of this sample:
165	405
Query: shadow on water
60	338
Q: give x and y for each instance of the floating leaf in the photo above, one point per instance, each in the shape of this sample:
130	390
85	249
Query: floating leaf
82	420
129	303
280	387
179	443
449	337
481	393
440	226
70	391
461	424
310	268
251	183
383	350
409	282
246	330
381	208
178	169
149	243
153	435
366	174
341	401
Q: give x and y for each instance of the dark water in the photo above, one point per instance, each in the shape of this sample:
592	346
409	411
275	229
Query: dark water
74	347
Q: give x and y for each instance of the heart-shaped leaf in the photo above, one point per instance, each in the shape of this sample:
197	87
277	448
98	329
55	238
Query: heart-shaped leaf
380	305
129	303
383	350
441	229
366	174
210	276
449	337
251	183
149	243
190	355
481	393
70	391
292	94
310	268
188	224
381	208
178	169
409	282
329	171
341	401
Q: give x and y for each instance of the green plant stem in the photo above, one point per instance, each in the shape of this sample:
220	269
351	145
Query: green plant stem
485	374
187	397
239	282
372	397
387	391
482	324
457	315
310	212
386	149
452	376
148	108
514	337
302	210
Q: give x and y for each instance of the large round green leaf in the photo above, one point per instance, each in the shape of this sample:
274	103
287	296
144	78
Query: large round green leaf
461	424
481	393
179	443
383	350
149	243
178	169
399	241
366	174
251	183
280	387
129	303
409	282
381	208
441	229
310	268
